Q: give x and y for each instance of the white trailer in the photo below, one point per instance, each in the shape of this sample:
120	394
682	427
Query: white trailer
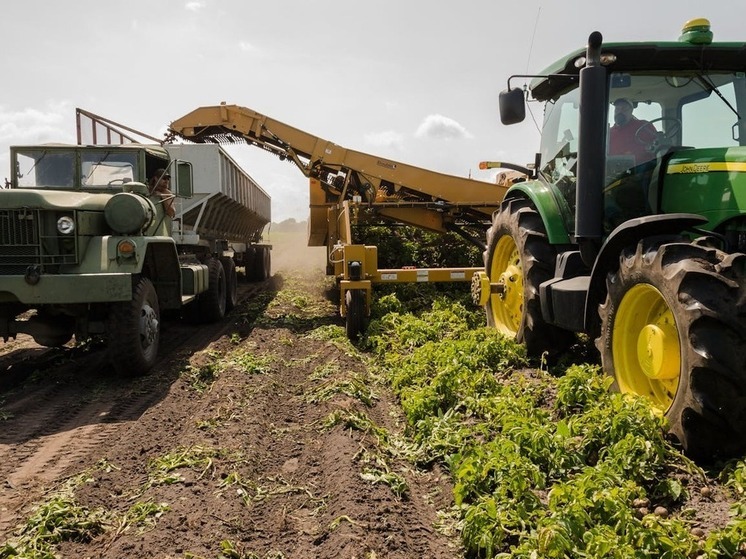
227	214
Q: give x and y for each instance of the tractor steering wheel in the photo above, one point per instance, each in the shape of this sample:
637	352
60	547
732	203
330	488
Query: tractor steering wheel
656	142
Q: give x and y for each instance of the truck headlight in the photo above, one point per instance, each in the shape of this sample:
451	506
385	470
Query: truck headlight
65	225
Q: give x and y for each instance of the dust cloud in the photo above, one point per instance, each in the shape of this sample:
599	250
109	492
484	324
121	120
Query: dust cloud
290	252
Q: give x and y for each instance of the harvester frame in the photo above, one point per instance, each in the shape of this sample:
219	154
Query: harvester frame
349	187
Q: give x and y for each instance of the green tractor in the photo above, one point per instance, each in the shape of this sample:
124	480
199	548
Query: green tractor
631	227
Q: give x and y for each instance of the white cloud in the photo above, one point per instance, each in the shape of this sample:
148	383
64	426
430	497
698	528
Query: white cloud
194	6
245	46
32	126
55	124
387	139
441	127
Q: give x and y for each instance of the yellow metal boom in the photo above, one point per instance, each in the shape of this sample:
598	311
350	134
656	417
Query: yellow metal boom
349	187
384	190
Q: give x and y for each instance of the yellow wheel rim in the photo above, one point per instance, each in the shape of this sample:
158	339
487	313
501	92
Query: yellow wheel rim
506	306
645	346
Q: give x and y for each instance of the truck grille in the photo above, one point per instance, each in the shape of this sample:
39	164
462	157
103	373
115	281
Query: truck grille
30	237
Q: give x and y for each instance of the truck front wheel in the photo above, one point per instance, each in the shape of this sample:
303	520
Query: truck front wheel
671	332
134	331
517	260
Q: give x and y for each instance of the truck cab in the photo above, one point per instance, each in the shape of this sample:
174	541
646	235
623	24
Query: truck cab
85	250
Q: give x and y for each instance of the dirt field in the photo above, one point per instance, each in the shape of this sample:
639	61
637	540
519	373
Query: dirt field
236	444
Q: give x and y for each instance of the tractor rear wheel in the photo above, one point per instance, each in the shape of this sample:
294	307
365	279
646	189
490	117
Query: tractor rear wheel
518	259
672	332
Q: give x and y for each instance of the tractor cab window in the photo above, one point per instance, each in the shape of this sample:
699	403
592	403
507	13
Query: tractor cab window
716	115
559	145
653	115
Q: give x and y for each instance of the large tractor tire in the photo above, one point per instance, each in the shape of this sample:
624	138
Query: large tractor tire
231	283
134	330
673	332
519	258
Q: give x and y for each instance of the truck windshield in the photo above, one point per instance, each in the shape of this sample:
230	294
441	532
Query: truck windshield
104	169
45	169
74	169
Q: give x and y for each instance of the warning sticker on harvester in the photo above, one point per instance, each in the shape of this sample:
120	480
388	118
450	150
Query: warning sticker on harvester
423	275
458	275
389	277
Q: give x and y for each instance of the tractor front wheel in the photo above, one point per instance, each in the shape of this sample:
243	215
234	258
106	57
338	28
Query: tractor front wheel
671	332
517	260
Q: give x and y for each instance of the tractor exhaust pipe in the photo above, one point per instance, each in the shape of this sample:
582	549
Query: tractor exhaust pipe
589	197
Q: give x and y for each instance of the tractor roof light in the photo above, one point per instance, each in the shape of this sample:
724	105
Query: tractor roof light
696	32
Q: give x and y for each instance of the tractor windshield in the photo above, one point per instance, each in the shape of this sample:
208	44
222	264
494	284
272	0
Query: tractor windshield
649	115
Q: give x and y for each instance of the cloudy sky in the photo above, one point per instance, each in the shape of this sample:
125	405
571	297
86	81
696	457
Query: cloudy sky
413	80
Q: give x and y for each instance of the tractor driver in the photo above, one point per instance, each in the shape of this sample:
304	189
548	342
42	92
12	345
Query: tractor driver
159	185
630	135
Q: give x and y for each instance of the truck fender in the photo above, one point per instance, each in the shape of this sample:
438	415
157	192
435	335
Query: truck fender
161	265
628	233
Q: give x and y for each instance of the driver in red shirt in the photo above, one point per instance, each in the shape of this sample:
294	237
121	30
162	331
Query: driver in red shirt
630	135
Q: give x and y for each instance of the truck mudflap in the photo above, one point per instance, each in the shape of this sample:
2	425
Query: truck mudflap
66	289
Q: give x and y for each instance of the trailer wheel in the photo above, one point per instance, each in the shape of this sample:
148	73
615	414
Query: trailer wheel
134	330
231	283
355	319
671	332
212	302
261	268
267	258
518	259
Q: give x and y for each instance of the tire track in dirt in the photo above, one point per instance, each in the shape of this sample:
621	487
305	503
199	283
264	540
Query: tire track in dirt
70	411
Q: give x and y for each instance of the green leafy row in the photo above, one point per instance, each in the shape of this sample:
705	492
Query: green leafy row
542	466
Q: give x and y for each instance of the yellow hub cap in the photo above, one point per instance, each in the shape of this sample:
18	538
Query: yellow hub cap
645	346
506	270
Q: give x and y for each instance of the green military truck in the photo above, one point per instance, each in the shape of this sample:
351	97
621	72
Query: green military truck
638	242
85	250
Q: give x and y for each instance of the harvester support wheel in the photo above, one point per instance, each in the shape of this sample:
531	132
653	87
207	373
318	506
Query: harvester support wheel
231	283
517	260
672	332
133	330
212	302
355	319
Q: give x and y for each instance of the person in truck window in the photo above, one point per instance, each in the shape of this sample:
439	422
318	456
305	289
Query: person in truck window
159	185
630	135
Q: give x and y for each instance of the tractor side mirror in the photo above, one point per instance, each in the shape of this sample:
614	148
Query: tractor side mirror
512	106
